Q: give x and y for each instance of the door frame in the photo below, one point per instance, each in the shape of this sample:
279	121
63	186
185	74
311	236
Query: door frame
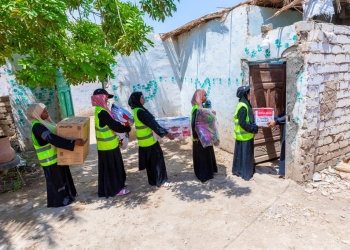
246	75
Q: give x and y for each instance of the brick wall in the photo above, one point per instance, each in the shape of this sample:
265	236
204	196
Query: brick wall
324	107
7	126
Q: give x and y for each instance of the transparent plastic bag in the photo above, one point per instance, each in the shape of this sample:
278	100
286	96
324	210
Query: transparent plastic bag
205	125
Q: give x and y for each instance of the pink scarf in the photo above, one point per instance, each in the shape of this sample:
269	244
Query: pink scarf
198	98
100	100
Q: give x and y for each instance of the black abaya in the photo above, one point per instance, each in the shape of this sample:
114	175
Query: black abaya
151	158
204	162
243	158
111	172
60	187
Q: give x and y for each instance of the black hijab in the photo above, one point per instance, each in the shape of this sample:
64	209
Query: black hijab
242	94
134	102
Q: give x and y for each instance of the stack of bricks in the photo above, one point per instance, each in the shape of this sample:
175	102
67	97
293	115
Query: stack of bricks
325	129
7	126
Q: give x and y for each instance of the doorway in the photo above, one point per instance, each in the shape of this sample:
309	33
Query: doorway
268	89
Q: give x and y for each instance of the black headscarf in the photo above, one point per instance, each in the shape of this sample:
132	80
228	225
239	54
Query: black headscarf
242	94
134	102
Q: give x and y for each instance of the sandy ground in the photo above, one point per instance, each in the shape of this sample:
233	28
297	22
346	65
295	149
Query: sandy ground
225	213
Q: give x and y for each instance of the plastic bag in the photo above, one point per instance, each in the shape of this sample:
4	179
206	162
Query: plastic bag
125	118
123	140
122	115
205	125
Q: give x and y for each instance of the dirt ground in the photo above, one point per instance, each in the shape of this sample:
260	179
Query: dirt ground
225	213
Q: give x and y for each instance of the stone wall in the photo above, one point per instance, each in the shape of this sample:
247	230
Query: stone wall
322	110
7	126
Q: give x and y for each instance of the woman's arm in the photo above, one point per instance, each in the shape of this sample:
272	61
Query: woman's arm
150	122
247	126
44	136
106	119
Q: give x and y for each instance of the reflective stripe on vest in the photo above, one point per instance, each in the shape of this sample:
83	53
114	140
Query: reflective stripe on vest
144	134
46	154
105	137
239	133
194	108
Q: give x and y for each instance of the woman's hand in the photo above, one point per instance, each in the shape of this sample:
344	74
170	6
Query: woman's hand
170	136
79	142
271	124
214	112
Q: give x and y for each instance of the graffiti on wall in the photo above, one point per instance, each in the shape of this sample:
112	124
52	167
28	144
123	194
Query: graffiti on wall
23	96
151	88
255	52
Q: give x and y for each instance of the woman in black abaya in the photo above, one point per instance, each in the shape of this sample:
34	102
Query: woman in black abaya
150	156
243	157
204	162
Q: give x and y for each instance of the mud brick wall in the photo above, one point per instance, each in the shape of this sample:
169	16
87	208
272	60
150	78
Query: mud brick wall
7	126
323	106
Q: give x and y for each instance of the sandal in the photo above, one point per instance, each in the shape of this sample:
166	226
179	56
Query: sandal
281	177
123	192
166	184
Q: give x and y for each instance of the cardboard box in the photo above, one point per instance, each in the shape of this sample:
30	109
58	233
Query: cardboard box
178	126
74	128
263	116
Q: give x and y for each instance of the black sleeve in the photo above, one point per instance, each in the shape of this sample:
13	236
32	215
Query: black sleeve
281	119
247	126
193	125
150	122
106	119
44	136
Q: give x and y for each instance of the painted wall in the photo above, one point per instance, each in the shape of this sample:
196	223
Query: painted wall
151	73
20	98
3	82
81	97
211	57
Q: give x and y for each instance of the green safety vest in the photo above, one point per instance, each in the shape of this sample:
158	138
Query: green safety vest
194	108
144	134
239	133
105	137
46	154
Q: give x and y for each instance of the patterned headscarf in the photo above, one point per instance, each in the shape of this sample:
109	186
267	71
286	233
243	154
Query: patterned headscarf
198	97
34	112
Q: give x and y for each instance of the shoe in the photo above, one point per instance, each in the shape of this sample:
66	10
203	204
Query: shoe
166	184
123	192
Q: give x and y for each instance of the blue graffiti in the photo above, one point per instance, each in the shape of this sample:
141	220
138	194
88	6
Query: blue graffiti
203	85
286	45
267	53
229	81
259	48
246	50
278	43
253	54
151	85
295	39
237	82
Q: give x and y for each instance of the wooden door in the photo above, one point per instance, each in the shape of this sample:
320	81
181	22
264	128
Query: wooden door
268	89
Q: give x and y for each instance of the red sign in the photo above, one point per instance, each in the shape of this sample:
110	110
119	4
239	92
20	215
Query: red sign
263	116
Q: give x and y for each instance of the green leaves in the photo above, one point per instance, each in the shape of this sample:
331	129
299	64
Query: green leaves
79	37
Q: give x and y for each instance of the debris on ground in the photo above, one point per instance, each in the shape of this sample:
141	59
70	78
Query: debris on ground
328	182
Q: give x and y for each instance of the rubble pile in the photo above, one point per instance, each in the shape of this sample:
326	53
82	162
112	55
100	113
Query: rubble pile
328	182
